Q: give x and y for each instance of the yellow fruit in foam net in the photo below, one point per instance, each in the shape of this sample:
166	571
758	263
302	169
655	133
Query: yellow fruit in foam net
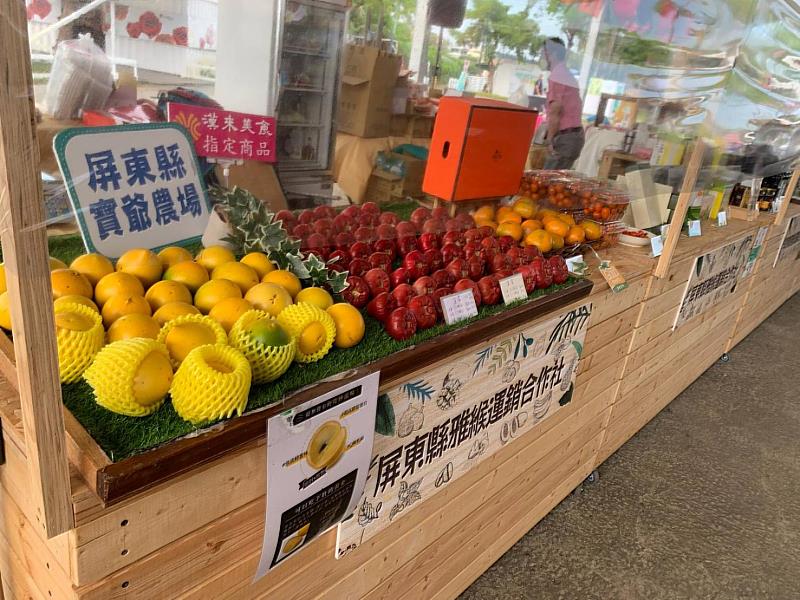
313	329
131	377
79	337
185	333
74	299
267	346
212	383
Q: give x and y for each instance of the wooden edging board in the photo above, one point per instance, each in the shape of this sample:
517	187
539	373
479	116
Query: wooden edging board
115	481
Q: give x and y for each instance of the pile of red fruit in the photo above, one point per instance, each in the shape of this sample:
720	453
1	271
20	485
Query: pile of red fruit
400	270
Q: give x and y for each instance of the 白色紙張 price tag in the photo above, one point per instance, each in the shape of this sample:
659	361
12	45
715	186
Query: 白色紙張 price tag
513	288
722	218
657	245
459	306
576	264
613	277
694	228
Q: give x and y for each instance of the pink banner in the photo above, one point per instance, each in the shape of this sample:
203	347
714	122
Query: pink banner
226	134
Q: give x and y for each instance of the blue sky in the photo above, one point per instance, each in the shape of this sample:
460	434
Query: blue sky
547	25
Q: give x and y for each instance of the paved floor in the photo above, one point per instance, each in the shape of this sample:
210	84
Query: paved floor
704	502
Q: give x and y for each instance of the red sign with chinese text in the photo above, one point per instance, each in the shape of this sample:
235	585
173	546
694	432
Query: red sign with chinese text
227	134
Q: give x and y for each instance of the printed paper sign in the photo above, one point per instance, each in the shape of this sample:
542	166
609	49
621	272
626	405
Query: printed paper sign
694	228
459	306
318	455
722	218
226	134
437	425
790	244
657	245
612	276
576	264
714	277
513	288
133	186
755	252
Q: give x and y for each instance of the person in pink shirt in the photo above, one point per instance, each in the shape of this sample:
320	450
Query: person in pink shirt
564	130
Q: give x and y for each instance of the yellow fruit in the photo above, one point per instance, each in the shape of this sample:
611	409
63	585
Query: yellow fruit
127	379
593	230
214	256
214	291
269	297
524	207
79	337
56	264
543	213
173	310
212	383
531	225
286	279
124	304
512	229
557	227
259	262
76	300
567	218
183	334
115	284
5	312
166	292
316	296
484	213
541	239
503	213
172	255
313	328
312	338
484	223
576	235
189	273
92	266
142	263
3	286
228	311
67	282
133	326
240	274
349	324
557	241
327	445
267	346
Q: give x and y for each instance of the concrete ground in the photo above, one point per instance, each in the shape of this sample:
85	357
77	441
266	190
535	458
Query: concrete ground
704	502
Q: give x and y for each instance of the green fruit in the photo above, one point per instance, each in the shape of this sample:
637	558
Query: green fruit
267	332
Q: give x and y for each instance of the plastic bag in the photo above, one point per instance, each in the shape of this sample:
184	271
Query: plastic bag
80	79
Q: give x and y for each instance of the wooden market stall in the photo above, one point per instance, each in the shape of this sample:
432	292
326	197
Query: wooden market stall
185	520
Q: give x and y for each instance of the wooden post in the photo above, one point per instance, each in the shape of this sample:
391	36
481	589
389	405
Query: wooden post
25	254
689	179
787	196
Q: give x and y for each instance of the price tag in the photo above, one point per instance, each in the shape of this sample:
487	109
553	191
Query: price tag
576	264
694	228
657	244
613	277
722	218
459	306
664	230
513	288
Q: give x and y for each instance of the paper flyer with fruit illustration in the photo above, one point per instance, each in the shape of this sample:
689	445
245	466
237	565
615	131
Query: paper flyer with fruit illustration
317	461
436	426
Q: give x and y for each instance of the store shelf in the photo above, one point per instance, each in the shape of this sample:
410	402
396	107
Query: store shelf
301	52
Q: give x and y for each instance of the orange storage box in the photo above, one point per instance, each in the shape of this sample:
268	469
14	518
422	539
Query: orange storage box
479	148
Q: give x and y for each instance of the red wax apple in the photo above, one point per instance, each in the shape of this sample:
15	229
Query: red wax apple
458	269
505	242
302	230
514	256
424	309
489	289
472	249
489	243
453	237
401	324
424	285
351	212
342	223
403	293
366	219
416	265
560	270
380	260
475	267
434	259
453	225
386	231
343	239
464	284
337	266
450	252
387	247
399	276
531	252
381	305
498	263
486	231
528	277
365	234
377	280
548	270
473	235
306	217
543	278
314	240
389	218
428	241
437	299
442	278
360	250
440	212
358	266
357	292
287	217
433	226
405	228
466	220
323	226
406	244
370	207
420	216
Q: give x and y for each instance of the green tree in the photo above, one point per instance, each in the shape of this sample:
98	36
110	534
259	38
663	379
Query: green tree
492	28
398	20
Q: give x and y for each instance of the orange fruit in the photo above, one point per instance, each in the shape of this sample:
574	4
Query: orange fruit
556	227
142	263
531	225
68	282
483	223
134	325
56	264
172	255
124	304
558	241
227	311
165	292
484	213
541	239
239	273
503	212
510	217
172	310
214	256
524	207
214	291
285	279
259	262
510	228
349	324
567	218
269	297
316	296
576	235
544	212
76	300
189	273
92	266
593	230
115	284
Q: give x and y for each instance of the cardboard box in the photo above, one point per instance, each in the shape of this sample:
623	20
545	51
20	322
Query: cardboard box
409	168
384	187
479	148
412	126
369	77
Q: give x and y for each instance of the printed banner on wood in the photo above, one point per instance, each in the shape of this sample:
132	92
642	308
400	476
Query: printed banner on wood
714	277
790	244
439	424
